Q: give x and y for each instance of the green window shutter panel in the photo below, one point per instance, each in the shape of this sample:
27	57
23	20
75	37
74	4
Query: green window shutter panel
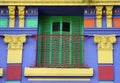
3	22
76	28
44	25
31	22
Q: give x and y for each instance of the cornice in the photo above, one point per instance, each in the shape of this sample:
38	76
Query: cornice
28	31
102	31
58	2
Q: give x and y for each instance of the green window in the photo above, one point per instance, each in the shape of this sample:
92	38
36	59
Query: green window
3	22
60	43
31	22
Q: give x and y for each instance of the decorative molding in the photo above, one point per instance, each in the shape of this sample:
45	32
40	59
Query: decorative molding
58	72
101	31
59	2
109	16
15	47
21	13
99	16
28	31
105	42
11	16
105	48
58	79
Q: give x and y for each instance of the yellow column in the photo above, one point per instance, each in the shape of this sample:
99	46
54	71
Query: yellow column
1	72
11	16
21	10
99	16
109	16
105	48
15	46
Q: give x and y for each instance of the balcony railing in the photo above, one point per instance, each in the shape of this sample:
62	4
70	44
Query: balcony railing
59	51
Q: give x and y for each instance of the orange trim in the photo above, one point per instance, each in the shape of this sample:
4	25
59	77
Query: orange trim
89	23
116	22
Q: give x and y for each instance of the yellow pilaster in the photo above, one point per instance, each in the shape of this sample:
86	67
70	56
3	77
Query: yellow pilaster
15	46
99	16
11	16
21	10
109	16
1	72
105	48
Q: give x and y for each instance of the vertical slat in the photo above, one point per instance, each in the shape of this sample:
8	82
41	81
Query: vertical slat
70	38
60	43
55	40
64	51
38	58
81	41
51	32
78	47
45	50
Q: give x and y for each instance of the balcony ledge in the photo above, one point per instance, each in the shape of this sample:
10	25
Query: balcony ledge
81	72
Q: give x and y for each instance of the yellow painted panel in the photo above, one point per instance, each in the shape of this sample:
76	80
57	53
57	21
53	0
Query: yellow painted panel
14	56
1	71
58	71
59	79
105	56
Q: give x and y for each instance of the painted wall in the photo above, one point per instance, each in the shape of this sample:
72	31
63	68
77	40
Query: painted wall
90	48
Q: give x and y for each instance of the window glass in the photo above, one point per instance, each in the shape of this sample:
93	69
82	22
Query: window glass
66	26
56	26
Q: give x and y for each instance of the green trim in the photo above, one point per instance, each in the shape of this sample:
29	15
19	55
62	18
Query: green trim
51	32
82	41
31	22
38	58
13	82
61	56
3	22
71	49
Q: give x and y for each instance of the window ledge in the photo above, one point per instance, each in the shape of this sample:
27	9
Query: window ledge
81	72
1	72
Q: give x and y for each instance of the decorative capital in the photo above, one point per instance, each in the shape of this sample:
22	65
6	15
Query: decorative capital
21	10
99	10
105	42
109	10
15	41
11	10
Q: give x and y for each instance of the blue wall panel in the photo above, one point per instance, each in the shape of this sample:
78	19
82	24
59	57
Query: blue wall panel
117	61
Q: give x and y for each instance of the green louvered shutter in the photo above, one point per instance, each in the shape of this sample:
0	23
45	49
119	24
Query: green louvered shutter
77	28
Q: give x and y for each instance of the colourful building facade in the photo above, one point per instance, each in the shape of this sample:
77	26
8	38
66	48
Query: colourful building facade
59	41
